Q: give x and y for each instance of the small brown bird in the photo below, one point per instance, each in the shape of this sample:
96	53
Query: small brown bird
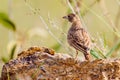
77	36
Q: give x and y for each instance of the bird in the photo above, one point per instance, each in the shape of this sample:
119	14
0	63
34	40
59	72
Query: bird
78	37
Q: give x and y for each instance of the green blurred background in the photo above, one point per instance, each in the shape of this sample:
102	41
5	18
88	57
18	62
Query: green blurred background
101	19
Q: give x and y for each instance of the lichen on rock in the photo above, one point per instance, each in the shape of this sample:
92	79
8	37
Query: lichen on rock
40	63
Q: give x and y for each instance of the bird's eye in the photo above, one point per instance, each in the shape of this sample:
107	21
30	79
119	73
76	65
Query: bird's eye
68	16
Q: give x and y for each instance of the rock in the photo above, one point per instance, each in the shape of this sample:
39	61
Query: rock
40	63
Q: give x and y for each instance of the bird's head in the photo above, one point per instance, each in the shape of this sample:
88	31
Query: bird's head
71	17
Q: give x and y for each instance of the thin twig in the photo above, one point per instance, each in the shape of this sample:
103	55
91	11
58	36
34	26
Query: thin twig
45	25
61	31
118	15
77	7
101	18
117	21
100	51
107	14
117	18
79	13
90	6
70	6
53	24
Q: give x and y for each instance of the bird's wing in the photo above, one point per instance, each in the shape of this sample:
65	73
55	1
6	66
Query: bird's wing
81	39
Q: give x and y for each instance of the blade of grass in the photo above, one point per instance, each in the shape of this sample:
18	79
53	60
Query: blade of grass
104	40
102	19
6	22
90	6
94	54
5	60
56	47
70	6
13	51
100	52
117	46
45	24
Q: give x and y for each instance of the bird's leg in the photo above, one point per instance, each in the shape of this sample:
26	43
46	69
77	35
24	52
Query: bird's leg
87	56
76	54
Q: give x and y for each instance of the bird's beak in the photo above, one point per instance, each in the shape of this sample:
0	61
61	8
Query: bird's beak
65	17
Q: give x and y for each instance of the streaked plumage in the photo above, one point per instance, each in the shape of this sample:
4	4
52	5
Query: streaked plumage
77	36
